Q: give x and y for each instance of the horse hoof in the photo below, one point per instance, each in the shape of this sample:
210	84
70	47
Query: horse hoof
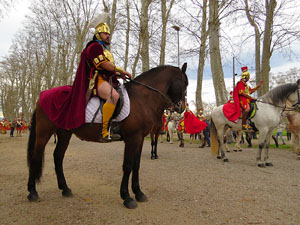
141	198
130	204
269	164
240	150
225	160
261	165
152	157
235	150
156	157
219	157
33	197
67	193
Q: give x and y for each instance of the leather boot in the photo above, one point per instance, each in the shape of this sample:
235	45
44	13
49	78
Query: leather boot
244	120
108	110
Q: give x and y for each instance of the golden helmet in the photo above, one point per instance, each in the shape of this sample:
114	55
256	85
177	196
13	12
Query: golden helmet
100	25
245	73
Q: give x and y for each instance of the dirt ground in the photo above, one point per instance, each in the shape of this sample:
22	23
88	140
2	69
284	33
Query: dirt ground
184	186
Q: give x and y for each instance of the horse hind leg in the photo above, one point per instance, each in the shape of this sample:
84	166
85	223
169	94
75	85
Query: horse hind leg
35	157
59	153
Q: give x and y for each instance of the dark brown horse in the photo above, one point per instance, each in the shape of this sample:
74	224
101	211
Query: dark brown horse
150	93
154	134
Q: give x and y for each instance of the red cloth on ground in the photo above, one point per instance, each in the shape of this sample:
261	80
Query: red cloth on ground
232	111
191	123
65	106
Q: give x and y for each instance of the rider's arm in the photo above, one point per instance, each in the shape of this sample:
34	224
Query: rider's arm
96	54
109	66
254	89
242	92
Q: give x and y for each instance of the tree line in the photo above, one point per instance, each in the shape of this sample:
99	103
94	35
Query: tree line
46	51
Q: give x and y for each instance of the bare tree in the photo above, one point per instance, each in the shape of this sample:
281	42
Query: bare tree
144	34
202	53
215	55
274	29
266	54
165	13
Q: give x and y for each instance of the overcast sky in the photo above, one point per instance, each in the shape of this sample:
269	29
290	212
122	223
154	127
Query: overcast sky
11	23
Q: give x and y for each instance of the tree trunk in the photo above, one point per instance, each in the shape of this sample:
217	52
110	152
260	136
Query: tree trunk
266	54
201	64
127	36
145	35
164	17
215	55
257	44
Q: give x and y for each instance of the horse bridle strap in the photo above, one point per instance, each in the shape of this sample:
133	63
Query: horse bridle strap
298	103
169	101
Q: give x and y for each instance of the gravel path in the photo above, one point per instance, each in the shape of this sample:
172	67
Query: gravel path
184	186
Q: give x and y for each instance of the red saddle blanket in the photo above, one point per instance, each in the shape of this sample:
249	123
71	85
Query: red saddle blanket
65	105
232	110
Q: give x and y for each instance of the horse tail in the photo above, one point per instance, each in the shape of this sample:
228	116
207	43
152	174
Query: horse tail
35	166
214	141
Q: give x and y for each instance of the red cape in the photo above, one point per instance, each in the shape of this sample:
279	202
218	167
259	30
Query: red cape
232	111
65	106
192	125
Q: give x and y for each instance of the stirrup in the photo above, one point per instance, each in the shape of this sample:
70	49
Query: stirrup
246	127
109	138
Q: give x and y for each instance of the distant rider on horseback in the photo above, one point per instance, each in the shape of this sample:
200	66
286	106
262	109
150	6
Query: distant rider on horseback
102	79
244	92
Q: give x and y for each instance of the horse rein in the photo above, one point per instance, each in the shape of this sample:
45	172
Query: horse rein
285	108
169	101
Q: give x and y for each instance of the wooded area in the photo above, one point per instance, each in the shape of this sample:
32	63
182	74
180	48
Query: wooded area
46	52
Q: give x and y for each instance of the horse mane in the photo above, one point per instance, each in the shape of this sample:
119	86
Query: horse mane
154	70
280	93
148	75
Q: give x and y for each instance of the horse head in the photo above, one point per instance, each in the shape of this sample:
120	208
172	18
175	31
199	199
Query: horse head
177	89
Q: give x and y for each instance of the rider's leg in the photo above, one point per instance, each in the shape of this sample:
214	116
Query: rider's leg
111	96
245	116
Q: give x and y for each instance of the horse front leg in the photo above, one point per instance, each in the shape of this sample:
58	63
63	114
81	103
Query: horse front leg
171	135
131	161
153	140
261	145
139	195
59	153
266	152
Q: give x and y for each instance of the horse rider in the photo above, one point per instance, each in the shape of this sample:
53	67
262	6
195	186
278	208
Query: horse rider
244	92
103	81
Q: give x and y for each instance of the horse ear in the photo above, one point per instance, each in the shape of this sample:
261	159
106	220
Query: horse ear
183	69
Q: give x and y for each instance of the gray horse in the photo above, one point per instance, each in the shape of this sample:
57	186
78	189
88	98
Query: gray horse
269	109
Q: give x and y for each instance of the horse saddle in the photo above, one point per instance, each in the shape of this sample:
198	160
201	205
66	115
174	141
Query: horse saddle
252	112
93	111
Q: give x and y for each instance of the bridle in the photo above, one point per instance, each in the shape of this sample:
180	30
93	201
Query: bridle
295	107
166	97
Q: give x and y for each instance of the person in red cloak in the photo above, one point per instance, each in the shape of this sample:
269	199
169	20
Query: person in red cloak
192	124
65	106
245	92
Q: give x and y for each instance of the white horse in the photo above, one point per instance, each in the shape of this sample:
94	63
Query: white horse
269	109
172	124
